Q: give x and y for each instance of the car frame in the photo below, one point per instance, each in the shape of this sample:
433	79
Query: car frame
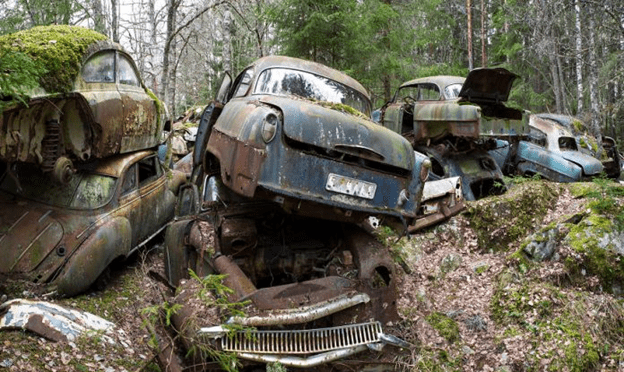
63	236
94	106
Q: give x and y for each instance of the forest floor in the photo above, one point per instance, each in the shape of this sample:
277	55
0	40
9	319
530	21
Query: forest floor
471	299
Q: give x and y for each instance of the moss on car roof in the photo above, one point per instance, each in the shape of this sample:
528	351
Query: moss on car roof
59	49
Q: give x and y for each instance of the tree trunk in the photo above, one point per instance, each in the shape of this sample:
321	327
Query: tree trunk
593	81
483	36
114	21
98	17
469	38
579	57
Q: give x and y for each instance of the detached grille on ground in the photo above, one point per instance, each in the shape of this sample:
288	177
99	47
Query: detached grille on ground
303	341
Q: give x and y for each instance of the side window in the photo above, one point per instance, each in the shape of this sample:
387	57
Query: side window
127	74
537	137
130	180
411	92
149	169
100	68
429	92
241	85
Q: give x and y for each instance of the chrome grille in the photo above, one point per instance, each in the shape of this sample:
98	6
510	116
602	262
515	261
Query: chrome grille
302	341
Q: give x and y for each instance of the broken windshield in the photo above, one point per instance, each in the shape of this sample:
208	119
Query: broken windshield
83	191
282	81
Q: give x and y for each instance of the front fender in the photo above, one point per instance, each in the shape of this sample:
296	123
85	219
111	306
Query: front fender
108	242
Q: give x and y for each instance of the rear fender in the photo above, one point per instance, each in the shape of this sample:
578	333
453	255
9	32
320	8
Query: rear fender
110	241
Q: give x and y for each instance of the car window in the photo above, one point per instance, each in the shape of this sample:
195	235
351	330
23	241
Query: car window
100	68
452	91
288	82
428	92
408	92
130	180
149	169
241	85
567	143
83	191
94	191
127	74
537	137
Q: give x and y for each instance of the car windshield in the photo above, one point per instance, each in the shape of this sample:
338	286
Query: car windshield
452	91
283	81
84	190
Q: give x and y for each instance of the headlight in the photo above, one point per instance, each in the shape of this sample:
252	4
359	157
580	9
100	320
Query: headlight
269	127
424	170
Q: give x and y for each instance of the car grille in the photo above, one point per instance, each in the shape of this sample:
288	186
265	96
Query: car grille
303	341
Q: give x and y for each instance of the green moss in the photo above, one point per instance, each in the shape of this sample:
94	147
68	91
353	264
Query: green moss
160	106
57	49
341	107
578	126
503	220
445	326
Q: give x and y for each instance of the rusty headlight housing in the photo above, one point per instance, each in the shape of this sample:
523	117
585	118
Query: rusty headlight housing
424	170
269	127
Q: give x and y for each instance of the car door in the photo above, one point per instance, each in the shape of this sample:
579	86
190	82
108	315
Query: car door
130	202
141	127
157	204
98	86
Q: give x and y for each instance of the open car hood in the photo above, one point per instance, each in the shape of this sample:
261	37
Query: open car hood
487	85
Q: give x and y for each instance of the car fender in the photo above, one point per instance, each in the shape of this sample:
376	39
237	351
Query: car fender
109	241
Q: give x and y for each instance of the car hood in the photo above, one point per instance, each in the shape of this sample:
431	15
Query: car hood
331	129
487	85
28	234
591	166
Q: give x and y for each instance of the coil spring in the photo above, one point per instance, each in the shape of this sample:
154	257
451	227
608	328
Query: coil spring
50	145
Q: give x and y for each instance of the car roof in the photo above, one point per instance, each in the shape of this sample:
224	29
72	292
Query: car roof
114	166
439	80
314	67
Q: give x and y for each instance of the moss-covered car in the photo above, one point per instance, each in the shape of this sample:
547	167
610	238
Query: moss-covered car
63	236
297	133
453	120
88	101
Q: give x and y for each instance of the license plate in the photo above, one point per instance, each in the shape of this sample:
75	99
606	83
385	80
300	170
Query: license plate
350	186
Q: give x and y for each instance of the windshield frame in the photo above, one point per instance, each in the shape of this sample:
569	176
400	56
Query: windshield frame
360	97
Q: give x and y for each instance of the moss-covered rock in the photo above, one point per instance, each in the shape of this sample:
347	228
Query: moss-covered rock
58	49
501	220
445	326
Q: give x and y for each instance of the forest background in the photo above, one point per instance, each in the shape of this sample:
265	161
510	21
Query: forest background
569	54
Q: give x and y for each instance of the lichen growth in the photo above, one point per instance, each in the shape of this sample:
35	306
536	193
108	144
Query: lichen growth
58	49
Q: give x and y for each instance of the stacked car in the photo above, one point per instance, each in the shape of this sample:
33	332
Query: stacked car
80	183
286	168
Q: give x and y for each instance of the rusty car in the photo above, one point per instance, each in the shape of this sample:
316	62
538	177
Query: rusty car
455	121
550	151
63	236
286	167
90	103
609	156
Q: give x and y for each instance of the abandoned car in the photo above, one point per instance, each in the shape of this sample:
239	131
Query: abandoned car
455	120
297	133
90	102
287	164
550	151
609	156
63	236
